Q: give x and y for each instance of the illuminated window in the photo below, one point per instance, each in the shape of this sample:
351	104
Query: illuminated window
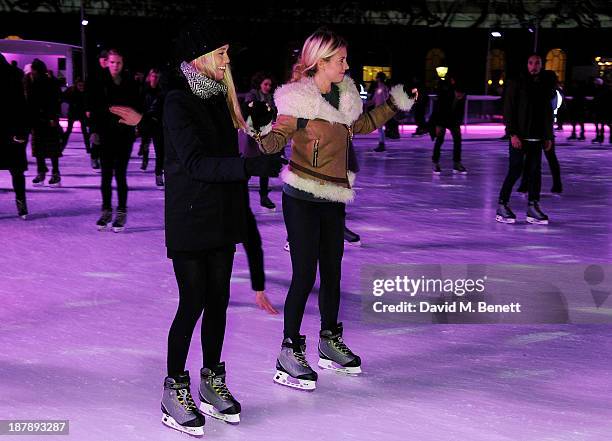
433	59
556	60
369	72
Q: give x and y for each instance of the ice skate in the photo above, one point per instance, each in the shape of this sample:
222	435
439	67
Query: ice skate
105	219
267	203
504	214
436	168
216	399
335	355
535	215
22	208
292	369
351	237
55	181
459	168
179	411
39	180
120	220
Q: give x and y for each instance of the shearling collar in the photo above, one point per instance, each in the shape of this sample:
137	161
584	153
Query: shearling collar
303	99
200	84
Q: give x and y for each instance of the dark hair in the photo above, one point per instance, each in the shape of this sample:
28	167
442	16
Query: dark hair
258	78
39	66
535	54
114	52
381	76
103	54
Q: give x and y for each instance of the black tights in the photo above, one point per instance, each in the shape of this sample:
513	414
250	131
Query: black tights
114	160
18	184
41	165
316	234
204	287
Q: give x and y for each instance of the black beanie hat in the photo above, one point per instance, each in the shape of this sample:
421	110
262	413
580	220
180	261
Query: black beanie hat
198	38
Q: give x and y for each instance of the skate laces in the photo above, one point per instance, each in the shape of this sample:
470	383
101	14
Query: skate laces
219	386
185	399
339	344
301	358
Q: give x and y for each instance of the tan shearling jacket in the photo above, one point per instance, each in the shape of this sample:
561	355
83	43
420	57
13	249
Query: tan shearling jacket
319	152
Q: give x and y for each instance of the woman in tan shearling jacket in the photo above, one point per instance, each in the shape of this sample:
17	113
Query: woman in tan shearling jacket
319	111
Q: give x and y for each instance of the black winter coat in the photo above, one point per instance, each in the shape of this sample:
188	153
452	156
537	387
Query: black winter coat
12	119
206	192
528	109
448	110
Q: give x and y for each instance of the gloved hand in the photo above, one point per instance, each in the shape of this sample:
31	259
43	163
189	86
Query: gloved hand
260	115
264	165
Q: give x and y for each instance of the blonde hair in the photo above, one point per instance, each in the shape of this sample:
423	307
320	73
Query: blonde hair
322	45
206	64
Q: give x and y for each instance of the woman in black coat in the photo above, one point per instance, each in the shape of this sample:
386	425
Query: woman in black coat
43	97
205	216
13	132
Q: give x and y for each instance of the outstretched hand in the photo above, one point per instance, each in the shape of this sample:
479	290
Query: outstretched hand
128	115
264	304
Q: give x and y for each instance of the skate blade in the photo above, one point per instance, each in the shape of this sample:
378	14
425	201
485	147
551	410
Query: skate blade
504	220
353	244
284	379
24	216
535	221
167	420
328	364
437	173
118	229
210	410
38	184
265	210
101	227
59	184
457	172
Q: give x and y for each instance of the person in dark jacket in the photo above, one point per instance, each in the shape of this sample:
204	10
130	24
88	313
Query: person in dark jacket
601	104
261	92
576	109
206	213
75	97
528	115
43	98
13	132
448	113
153	105
113	139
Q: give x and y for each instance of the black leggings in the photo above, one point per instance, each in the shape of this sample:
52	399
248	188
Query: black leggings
204	286
114	160
531	152
18	184
456	134
316	234
41	165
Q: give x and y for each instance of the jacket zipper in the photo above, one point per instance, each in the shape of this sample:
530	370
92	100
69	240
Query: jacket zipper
348	146
315	154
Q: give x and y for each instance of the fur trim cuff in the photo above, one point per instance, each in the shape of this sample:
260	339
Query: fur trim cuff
401	98
326	191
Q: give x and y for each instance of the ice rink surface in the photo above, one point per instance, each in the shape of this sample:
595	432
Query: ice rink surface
85	314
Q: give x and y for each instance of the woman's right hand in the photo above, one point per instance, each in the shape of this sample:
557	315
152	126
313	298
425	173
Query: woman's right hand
516	142
262	301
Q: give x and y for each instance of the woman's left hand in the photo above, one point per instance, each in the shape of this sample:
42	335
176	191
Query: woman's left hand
262	301
128	115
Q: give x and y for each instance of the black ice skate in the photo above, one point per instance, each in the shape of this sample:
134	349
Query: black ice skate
179	411
55	181
436	168
267	203
105	219
39	180
120	220
504	214
22	208
535	215
292	369
459	168
159	181
335	355
351	237
216	399
380	148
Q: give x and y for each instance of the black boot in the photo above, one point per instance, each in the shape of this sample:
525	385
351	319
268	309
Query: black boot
265	202
120	220
56	180
380	148
105	219
351	237
535	215
39	180
504	214
22	208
